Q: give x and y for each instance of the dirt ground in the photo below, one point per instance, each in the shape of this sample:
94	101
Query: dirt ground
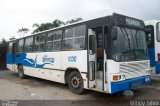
33	91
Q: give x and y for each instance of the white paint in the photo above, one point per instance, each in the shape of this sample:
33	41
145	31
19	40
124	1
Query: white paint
113	67
12	67
92	58
62	63
52	75
56	70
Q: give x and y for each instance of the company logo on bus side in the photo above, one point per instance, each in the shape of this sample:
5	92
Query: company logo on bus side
72	58
47	59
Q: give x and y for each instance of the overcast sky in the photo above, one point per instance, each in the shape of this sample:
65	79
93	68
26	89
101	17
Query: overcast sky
15	14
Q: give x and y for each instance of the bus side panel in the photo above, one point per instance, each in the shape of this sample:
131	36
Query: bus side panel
10	61
46	65
48	74
151	52
76	59
157	51
157	69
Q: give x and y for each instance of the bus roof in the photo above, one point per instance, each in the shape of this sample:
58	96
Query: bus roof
63	26
80	22
151	22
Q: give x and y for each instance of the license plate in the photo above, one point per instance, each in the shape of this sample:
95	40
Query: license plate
147	79
137	83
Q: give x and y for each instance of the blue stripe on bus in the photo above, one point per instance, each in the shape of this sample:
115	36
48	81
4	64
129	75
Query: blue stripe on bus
129	84
25	61
10	58
157	69
151	52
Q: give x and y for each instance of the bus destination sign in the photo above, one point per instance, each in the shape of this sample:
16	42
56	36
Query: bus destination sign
133	22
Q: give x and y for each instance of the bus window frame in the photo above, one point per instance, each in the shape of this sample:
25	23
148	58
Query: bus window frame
73	26
22	45
54	40
152	33
34	42
9	48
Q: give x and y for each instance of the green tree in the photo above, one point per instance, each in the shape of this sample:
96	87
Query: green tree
54	24
42	27
12	38
46	26
23	31
3	51
74	20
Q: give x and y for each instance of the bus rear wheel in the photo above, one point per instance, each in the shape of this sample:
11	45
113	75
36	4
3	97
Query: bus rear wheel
75	82
21	72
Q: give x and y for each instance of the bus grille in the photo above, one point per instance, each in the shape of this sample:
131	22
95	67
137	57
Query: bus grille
133	69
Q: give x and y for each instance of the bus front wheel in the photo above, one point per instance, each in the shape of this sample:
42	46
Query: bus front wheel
75	82
21	72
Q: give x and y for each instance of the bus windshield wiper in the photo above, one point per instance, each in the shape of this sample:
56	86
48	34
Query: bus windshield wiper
135	43
127	38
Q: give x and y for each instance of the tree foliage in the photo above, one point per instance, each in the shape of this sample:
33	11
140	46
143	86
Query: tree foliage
3	46
54	24
23	31
46	26
3	51
74	20
12	38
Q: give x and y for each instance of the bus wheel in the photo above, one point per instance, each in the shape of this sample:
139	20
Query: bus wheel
21	72
75	82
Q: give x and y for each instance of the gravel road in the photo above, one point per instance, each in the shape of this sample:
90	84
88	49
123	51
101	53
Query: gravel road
42	92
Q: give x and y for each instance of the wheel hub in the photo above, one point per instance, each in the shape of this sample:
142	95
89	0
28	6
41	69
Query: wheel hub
75	82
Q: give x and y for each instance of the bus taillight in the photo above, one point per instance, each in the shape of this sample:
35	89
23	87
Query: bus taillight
158	54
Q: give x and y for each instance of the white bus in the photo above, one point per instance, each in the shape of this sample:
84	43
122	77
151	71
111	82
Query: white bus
107	54
153	43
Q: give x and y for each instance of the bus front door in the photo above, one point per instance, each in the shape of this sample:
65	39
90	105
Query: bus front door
92	58
97	60
14	53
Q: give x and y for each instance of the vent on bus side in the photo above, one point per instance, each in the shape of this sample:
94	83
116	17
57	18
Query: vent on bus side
134	69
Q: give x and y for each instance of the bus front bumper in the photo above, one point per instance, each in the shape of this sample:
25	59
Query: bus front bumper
130	84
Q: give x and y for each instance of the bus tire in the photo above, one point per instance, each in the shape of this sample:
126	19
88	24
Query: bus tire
21	72
75	82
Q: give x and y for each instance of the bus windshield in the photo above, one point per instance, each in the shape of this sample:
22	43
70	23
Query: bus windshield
129	45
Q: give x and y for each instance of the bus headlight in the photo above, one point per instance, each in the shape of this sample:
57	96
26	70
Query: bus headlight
118	77
148	71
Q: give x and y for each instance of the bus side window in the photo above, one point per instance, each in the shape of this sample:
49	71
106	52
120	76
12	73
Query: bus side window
54	39
29	44
20	46
9	48
150	36
39	41
74	38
